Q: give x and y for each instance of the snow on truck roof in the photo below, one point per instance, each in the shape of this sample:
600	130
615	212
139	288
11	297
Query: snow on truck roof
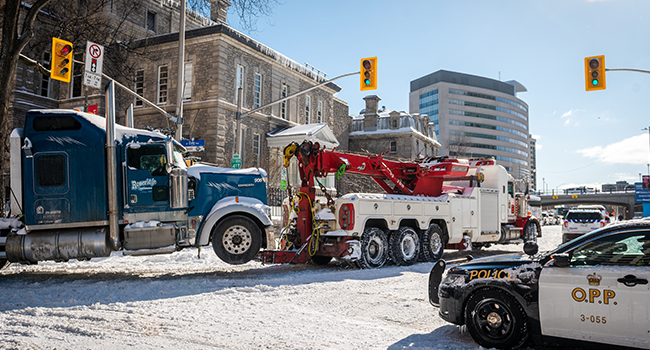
121	131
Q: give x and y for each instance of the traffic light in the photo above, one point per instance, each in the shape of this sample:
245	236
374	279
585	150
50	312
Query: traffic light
369	73
595	73
61	68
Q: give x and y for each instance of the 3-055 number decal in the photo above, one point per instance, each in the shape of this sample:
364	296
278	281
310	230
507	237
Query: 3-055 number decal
593	319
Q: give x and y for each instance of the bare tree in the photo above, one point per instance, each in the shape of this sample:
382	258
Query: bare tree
248	11
458	145
17	31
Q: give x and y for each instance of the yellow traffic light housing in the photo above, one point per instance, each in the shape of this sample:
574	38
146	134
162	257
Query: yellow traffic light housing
61	68
595	73
368	73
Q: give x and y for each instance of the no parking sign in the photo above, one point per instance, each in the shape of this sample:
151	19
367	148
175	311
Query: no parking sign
94	62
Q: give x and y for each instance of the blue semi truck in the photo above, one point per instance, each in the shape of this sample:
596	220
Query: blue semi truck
86	187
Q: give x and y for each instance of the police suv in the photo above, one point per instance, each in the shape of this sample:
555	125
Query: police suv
593	289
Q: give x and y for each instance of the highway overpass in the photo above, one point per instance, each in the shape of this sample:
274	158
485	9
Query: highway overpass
621	199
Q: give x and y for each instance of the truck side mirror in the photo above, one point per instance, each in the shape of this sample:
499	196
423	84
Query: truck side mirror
169	150
531	248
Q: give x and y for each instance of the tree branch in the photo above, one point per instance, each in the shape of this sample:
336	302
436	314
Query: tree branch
31	63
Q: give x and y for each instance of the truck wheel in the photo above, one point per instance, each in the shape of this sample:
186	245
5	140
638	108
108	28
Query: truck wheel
374	249
495	320
404	246
530	232
433	243
321	259
236	240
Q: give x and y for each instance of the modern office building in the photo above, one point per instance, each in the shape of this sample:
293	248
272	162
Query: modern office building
476	117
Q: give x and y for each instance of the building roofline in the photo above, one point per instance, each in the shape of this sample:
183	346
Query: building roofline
246	40
463	79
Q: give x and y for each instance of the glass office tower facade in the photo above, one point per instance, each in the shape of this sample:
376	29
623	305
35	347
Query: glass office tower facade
476	117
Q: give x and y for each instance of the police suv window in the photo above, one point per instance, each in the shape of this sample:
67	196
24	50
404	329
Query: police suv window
625	249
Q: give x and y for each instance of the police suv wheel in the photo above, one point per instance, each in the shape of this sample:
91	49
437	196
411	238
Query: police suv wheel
433	244
495	320
374	249
404	246
236	240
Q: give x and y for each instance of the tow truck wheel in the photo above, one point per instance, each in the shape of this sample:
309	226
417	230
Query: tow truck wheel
374	249
404	246
530	232
433	244
236	240
495	320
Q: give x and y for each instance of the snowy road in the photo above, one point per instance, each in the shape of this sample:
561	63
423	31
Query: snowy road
179	301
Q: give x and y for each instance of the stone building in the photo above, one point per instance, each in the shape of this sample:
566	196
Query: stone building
396	135
218	60
123	21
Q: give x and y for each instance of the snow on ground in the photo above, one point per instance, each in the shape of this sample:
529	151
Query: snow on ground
181	301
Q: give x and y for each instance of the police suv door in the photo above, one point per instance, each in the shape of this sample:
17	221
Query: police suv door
603	295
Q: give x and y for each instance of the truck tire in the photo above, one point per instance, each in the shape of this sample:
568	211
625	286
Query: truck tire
433	243
495	320
404	246
374	249
236	240
530	232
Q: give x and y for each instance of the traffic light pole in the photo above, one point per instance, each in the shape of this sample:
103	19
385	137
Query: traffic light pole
627	69
296	94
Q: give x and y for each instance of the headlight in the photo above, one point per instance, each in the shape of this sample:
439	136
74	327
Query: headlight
452	279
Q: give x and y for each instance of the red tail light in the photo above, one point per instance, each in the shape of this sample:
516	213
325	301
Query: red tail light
346	216
566	223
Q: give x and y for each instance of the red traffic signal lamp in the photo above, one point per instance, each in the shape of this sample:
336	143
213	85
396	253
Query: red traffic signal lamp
595	73
61	60
368	73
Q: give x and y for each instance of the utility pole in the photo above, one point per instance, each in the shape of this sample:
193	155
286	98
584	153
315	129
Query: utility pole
181	74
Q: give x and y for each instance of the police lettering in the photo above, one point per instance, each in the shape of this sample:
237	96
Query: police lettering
593	296
494	274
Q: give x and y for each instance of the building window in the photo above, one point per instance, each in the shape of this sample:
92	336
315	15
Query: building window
45	80
319	112
258	90
77	75
151	21
163	74
393	147
307	112
187	87
256	145
239	82
139	86
283	105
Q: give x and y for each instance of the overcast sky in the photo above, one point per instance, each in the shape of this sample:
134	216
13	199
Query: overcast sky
583	137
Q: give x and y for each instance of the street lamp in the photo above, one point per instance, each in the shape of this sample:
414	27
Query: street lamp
648	128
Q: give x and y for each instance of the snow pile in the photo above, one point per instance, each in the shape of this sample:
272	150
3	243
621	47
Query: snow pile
183	301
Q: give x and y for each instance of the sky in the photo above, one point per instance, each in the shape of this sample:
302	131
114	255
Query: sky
583	138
